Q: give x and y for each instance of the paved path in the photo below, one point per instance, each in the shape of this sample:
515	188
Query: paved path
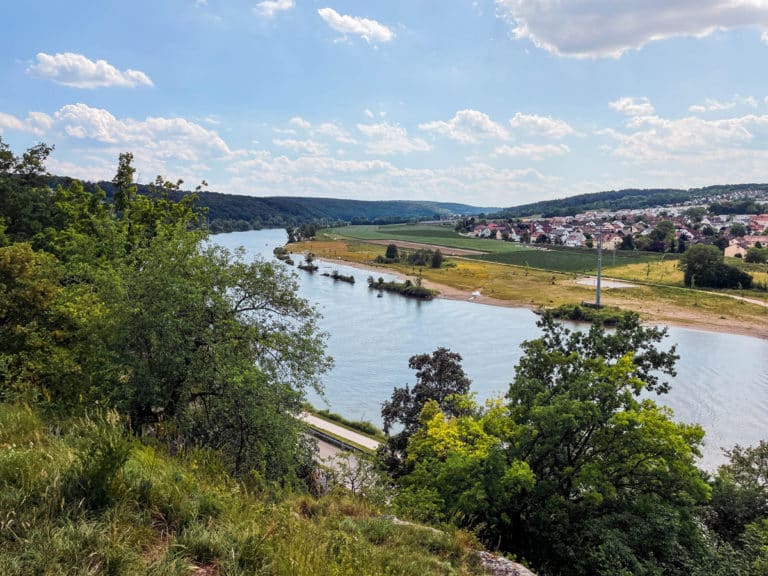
340	431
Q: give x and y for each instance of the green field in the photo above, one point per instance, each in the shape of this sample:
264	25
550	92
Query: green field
435	234
558	259
569	259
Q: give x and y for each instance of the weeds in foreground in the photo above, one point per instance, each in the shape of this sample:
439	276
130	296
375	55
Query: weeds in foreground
93	501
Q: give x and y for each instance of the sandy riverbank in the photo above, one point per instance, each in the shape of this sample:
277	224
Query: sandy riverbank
683	317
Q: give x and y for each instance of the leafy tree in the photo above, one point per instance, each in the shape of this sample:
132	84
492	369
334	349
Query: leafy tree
437	259
576	472
661	237
756	255
738	230
704	263
439	377
391	252
627	243
740	492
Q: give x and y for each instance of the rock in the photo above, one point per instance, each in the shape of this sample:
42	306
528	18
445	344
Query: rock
499	566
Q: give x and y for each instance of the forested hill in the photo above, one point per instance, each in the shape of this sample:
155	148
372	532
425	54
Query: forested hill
236	212
627	199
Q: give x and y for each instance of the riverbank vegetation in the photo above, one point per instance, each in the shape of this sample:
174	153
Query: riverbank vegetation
577	469
582	313
652	296
406	288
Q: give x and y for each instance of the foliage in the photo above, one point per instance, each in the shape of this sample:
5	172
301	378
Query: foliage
576	313
128	307
183	515
757	255
703	265
406	288
391	252
439	379
575	472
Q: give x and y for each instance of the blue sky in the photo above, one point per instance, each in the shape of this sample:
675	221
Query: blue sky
488	102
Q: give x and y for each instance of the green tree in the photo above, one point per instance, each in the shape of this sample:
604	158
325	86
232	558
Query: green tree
705	264
437	259
391	253
439	377
738	230
756	255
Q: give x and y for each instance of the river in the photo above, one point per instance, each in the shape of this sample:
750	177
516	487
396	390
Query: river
721	382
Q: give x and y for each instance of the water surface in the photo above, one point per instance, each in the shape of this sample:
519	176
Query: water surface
722	380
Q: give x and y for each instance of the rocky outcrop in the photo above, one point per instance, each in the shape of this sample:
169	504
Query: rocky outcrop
499	566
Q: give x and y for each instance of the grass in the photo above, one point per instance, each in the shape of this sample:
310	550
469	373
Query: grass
434	234
658	297
567	259
81	498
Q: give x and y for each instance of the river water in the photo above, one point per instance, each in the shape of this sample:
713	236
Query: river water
722	380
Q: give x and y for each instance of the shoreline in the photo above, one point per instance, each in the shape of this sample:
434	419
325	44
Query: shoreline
451	293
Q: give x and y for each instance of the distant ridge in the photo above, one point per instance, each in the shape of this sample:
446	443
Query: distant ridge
627	199
228	212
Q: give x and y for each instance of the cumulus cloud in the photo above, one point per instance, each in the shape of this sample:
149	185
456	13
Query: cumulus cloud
36	123
269	8
302	146
714	105
652	139
386	138
369	30
334	131
595	28
467	126
532	151
633	106
541	125
77	71
299	122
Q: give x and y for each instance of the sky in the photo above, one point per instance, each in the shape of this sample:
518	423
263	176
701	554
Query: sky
486	102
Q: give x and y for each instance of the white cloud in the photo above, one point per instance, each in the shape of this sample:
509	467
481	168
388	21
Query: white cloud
467	126
77	71
299	122
541	125
386	138
652	139
36	123
165	137
714	105
368	113
269	8
532	151
334	131
596	28
633	107
302	146
369	30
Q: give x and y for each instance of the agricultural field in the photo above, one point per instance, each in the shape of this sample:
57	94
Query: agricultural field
434	234
558	259
570	259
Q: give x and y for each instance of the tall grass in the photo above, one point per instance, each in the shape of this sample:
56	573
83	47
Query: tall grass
82	498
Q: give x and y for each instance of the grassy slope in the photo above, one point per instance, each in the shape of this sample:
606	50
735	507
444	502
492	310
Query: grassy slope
90	501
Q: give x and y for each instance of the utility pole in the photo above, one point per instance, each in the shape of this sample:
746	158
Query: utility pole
599	265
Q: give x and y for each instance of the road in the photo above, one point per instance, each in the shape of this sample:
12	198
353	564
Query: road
340	431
